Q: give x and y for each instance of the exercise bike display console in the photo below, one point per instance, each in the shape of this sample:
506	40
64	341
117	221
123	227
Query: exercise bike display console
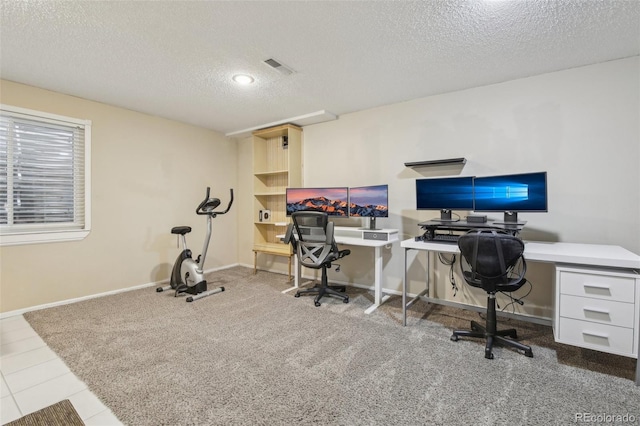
187	275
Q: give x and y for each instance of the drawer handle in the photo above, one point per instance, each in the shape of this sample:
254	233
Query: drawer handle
597	290
599	287
597	310
600	335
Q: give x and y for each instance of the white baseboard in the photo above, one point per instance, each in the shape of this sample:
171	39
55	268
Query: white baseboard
95	296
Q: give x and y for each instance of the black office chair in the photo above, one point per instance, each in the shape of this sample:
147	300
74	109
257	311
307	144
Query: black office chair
493	261
311	235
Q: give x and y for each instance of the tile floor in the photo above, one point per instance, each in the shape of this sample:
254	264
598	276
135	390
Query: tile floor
33	377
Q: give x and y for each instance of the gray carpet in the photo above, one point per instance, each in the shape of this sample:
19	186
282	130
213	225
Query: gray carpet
254	356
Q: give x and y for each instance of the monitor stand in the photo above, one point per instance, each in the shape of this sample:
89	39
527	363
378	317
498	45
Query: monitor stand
445	216
372	225
510	218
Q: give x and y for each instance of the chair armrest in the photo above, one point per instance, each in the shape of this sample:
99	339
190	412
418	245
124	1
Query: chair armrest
329	233
289	238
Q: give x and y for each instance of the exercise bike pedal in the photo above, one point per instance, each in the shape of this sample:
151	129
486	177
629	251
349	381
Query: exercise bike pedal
182	288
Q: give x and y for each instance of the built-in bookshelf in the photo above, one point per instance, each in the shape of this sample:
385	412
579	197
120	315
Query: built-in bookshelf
277	164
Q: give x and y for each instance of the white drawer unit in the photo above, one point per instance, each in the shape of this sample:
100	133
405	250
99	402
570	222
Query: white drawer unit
597	309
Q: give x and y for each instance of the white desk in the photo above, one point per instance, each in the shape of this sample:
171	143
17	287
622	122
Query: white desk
352	236
615	266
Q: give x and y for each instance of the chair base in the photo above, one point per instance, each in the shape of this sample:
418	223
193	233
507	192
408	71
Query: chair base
497	336
323	290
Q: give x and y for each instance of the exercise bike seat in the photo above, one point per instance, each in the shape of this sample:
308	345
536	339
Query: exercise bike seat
180	230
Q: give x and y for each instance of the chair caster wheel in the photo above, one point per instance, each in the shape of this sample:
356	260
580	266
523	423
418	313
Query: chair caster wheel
528	354
316	303
189	299
296	295
345	300
454	338
488	355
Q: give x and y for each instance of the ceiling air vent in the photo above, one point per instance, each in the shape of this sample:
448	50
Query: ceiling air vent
283	69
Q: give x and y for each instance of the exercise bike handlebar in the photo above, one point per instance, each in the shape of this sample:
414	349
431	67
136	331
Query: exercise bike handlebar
230	202
208	204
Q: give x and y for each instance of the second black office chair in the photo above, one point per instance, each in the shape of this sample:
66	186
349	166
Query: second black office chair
311	235
492	261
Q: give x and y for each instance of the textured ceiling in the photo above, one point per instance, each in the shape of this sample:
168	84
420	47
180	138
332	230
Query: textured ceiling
175	59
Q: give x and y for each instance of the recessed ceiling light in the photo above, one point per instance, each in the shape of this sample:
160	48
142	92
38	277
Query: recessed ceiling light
243	79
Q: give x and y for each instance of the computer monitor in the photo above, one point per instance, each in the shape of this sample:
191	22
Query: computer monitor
369	201
525	192
333	201
445	194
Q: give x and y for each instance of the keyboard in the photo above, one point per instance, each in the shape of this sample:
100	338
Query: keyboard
446	238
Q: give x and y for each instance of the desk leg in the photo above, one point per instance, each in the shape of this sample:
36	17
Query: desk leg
296	275
378	298
404	289
378	272
406	304
638	363
298	272
255	262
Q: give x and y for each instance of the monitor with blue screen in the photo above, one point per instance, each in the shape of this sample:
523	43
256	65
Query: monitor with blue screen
445	194
525	192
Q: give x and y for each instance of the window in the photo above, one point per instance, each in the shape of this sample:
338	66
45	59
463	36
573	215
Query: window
44	177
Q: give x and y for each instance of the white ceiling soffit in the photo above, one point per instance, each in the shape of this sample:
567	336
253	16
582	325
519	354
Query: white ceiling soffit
301	121
175	59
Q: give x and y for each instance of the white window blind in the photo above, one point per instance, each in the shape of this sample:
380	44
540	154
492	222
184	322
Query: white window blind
44	177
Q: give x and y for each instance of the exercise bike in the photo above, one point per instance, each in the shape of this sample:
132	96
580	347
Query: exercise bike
187	275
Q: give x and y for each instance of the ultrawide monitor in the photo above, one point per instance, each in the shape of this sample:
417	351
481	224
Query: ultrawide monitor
445	194
333	201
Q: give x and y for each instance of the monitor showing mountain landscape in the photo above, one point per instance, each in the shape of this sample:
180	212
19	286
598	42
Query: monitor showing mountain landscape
369	201
333	201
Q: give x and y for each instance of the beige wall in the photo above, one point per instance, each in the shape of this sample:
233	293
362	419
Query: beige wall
148	174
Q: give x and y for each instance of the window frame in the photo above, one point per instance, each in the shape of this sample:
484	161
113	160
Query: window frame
42	235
